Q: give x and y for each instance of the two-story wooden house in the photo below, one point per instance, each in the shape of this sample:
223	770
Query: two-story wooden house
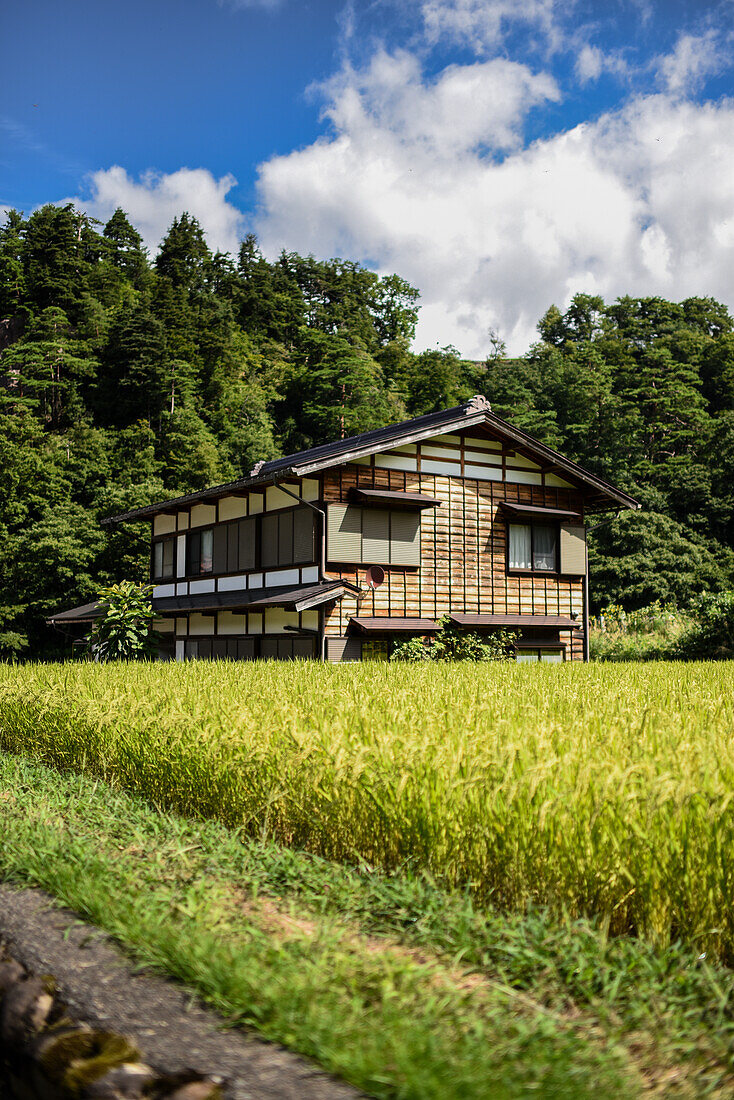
337	552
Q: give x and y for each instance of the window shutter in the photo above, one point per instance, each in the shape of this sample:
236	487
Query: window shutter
573	549
304	648
219	557
193	565
376	536
232	548
405	538
343	649
247	539
245	649
344	533
269	541
303	541
285	538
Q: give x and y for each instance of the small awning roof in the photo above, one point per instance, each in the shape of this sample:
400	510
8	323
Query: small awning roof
389	624
530	511
300	598
85	613
395	499
557	622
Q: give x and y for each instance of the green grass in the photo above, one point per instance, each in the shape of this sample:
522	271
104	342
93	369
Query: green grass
596	791
403	988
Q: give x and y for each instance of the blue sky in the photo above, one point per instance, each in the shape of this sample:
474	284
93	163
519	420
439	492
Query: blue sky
500	154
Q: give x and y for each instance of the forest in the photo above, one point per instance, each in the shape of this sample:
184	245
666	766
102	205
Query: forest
126	379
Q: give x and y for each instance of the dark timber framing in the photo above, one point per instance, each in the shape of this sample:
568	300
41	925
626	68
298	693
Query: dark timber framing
439	491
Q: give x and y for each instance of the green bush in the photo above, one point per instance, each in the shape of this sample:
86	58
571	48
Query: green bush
711	635
451	643
647	634
124	632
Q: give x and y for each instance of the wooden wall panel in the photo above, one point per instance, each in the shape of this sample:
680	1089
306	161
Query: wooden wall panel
463	552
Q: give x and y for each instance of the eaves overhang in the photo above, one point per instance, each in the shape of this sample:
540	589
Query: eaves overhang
475	413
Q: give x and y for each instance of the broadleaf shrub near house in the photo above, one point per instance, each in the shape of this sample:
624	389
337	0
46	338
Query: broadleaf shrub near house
125	631
452	644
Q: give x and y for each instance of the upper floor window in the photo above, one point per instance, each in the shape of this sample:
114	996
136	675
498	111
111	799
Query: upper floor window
373	536
533	546
163	555
200	552
287	538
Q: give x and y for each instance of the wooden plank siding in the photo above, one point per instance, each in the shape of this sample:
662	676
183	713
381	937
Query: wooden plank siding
463	565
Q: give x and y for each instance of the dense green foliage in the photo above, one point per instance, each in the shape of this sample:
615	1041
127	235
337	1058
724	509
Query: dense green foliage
451	643
124	631
124	381
405	989
663	633
641	393
594	790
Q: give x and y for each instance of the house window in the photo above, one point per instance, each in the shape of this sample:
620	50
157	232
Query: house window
200	552
288	538
163	554
553	656
375	536
533	546
375	651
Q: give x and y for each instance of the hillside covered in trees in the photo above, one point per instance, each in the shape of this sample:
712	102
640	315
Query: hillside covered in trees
124	381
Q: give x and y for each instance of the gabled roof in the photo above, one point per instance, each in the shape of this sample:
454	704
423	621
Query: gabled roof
474	413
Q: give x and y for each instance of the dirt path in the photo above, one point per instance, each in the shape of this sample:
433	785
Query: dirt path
172	1030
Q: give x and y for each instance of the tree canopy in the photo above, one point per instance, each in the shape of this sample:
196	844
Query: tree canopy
125	380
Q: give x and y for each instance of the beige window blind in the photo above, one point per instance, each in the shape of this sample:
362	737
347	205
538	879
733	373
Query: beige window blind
372	536
573	549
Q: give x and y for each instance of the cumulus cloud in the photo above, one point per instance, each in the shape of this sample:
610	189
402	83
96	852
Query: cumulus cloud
465	107
694	58
430	178
591	62
483	24
156	198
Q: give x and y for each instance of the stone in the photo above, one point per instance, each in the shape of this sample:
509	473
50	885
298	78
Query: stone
26	1007
197	1090
11	973
129	1081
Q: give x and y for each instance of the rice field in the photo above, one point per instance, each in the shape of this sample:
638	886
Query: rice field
594	790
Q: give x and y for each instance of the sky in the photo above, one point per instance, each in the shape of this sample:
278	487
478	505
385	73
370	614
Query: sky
500	155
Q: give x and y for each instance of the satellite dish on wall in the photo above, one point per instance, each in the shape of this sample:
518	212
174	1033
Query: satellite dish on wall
375	576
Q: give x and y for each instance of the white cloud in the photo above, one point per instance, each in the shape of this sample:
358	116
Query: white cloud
694	58
483	24
156	198
591	62
640	201
467	106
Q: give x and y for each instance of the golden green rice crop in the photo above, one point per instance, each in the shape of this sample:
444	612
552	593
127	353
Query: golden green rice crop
602	790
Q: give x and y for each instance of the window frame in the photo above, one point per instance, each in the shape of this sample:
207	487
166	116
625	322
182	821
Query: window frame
533	571
257	522
393	543
532	652
159	540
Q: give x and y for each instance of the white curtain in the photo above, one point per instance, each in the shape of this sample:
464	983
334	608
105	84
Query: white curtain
520	546
206	551
544	548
